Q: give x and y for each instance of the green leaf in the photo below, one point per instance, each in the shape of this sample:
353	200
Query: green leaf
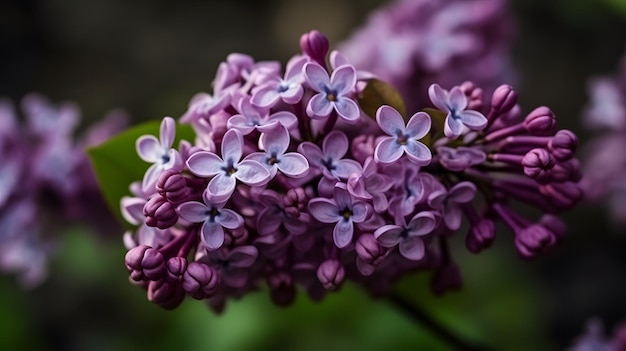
116	163
378	93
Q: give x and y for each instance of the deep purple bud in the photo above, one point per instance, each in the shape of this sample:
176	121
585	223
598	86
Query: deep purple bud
563	144
537	164
295	201
540	121
474	96
282	290
568	170
173	186
481	235
503	99
166	294
533	240
554	224
331	274
368	249
200	280
315	45
145	263
238	236
445	278
159	212
563	195
176	267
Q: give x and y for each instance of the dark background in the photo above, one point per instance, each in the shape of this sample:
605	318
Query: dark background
150	57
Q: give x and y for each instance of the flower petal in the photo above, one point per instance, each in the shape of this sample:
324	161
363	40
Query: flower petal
390	120
275	141
389	235
205	164
452	127
438	97
418	126
240	123
229	219
342	233
293	94
193	211
316	76
268	221
473	119
252	173
422	223
266	96
347	109
346	167
132	209
167	132
150	178
312	153
232	145
452	216
457	99
148	148
221	187
293	164
324	210
286	118
462	192
212	235
388	150
360	211
343	79
412	248
319	106
418	152
335	145
243	256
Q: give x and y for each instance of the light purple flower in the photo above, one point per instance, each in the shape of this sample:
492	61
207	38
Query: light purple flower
341	210
289	89
273	215
251	117
408	236
370	185
225	171
159	152
274	159
331	91
233	265
329	158
403	139
460	158
448	202
214	218
203	105
132	211
454	103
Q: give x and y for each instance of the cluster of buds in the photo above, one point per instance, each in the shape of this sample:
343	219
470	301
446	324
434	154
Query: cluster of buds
412	43
290	183
45	181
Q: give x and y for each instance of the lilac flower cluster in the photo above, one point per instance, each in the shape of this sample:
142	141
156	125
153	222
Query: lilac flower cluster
45	181
289	183
414	43
604	158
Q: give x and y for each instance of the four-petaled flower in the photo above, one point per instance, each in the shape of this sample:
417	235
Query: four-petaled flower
214	218
250	118
227	169
159	152
448	202
403	139
288	89
408	236
454	103
275	143
341	210
329	158
331	91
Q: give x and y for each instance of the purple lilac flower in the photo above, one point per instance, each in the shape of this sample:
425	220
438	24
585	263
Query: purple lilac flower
323	199
159	152
403	139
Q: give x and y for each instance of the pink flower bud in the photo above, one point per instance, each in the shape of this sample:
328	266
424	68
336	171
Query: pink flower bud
540	121
331	274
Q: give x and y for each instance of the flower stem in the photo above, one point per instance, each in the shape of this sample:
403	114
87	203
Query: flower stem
421	317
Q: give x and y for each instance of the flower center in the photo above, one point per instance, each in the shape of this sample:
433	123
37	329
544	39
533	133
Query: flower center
273	159
331	94
229	169
165	158
212	213
401	138
346	213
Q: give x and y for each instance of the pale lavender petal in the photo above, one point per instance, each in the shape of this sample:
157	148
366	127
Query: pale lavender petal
389	235
293	71
347	109
212	235
249	111
343	79
262	158
418	152
252	173
193	211
316	76
148	148
293	164
319	106
312	153
452	127
462	192
221	187
356	187
243	256
174	160
452	216
229	219
167	132
335	145
342	198
438	97
473	119
132	209
412	248
240	123
232	146
205	164
150	178
422	223
324	210
292	95
275	141
342	233
388	150
390	120
286	118
418	126
437	198
360	211
266	96
457	99
346	167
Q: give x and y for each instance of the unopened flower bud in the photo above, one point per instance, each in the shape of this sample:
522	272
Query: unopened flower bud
315	45
173	186
474	96
533	240
368	249
480	235
537	164
200	280
363	146
563	195
540	121
145	263
331	274
563	144
159	212
166	294
282	290
554	224
295	201
176	267
503	99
